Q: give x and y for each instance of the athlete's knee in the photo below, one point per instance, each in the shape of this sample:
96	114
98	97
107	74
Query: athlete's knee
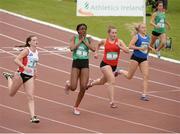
101	81
111	82
73	88
11	94
129	76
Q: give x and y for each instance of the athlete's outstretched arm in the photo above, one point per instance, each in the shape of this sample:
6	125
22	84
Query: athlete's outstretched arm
123	46
98	45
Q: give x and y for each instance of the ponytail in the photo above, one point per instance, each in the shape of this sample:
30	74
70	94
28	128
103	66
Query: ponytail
27	42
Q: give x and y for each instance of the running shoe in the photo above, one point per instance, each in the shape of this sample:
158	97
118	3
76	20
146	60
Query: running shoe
89	84
6	75
144	98
76	111
113	105
117	71
66	88
158	54
34	119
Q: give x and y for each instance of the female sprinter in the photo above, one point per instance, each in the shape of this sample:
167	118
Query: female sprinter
158	20
112	46
140	45
26	61
79	45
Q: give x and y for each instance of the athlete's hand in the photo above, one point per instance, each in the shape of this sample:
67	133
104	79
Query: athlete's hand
144	48
157	26
81	40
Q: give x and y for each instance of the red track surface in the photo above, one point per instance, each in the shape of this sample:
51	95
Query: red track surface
160	114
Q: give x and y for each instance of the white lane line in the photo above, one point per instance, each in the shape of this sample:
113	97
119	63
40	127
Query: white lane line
99	114
10	129
34	32
124	88
156	82
16	52
168	91
68	43
97	66
102	98
49	119
35	21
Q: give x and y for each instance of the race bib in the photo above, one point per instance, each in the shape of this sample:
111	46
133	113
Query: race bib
112	56
144	45
81	53
161	23
32	64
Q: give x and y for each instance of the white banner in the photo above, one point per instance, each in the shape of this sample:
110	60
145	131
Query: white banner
110	7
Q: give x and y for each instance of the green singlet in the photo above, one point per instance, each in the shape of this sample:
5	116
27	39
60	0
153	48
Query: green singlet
82	52
160	21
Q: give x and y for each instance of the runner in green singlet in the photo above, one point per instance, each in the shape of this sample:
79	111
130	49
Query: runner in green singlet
79	45
159	22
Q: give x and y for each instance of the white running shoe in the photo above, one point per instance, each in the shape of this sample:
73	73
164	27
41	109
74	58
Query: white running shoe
158	54
113	105
76	111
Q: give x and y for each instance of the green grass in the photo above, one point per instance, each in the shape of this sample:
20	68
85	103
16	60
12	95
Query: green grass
63	13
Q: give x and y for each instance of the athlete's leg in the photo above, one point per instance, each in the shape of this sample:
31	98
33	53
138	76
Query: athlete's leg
162	38
72	84
84	77
110	78
153	39
133	65
29	89
144	67
14	84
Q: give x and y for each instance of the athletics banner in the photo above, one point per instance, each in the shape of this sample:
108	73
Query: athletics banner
110	7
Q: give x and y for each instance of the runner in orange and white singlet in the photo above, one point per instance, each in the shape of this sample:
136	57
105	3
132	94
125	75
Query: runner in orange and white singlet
26	74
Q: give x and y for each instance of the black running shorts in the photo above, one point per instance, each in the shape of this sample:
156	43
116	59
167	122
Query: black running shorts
80	63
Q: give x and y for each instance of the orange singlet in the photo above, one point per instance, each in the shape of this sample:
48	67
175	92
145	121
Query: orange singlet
111	53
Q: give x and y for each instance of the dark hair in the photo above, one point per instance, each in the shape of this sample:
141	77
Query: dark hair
27	41
159	2
79	25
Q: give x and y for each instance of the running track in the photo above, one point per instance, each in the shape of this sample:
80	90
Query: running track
160	114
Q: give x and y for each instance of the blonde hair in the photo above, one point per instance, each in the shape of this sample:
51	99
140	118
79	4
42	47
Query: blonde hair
135	28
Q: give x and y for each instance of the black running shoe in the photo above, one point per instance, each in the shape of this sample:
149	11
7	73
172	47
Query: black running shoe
34	119
144	98
6	75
